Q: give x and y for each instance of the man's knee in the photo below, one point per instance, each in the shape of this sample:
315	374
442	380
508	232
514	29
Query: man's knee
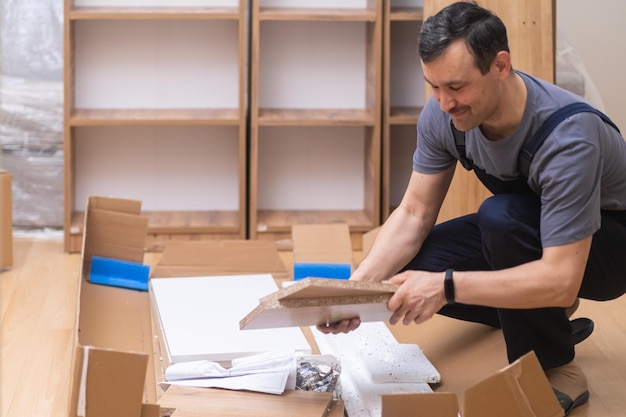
503	213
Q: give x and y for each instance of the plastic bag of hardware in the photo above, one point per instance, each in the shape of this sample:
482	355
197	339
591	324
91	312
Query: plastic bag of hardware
319	373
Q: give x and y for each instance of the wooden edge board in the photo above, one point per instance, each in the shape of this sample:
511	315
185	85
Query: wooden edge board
329	287
330	301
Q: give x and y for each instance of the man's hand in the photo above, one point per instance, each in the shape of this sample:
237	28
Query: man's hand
418	298
342	326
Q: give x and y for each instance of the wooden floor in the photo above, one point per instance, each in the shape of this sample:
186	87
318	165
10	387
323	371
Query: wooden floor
38	305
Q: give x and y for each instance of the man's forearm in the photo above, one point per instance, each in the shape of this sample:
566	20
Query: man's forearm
398	241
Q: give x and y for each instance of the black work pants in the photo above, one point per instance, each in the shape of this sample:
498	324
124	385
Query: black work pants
505	233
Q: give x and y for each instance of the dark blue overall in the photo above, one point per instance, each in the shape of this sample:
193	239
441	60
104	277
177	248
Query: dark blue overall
505	233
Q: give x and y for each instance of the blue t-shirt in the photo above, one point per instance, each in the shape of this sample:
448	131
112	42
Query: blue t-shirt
579	169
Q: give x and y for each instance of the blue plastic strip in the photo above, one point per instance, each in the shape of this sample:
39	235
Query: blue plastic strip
303	270
117	273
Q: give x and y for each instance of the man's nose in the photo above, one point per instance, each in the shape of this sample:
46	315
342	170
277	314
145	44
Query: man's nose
446	102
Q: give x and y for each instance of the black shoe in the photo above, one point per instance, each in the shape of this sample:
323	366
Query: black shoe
582	328
567	403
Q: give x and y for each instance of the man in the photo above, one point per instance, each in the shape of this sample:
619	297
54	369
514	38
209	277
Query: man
546	237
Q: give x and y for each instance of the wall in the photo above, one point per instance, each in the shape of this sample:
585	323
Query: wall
596	31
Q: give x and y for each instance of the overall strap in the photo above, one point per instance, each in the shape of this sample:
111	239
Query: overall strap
530	148
459	141
535	142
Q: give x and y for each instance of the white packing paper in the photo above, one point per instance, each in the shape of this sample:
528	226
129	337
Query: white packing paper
270	372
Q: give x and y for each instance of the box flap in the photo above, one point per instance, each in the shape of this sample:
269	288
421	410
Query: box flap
438	404
228	257
324	243
327	245
519	390
114	229
115	204
108	383
193	401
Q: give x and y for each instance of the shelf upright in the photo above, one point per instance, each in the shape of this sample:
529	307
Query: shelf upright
403	97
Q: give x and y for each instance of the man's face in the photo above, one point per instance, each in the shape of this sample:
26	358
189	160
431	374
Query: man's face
461	90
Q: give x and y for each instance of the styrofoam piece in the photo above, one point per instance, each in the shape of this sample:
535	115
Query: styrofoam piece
119	273
365	355
398	363
303	270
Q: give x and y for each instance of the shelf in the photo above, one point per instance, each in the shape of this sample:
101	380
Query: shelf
316	117
151	13
317	14
179	222
128	117
406	14
404	115
280	221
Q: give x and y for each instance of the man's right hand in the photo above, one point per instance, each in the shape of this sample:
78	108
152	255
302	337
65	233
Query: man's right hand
342	326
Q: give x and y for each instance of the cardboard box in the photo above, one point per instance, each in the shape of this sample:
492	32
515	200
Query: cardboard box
518	390
231	257
6	220
114	371
113	347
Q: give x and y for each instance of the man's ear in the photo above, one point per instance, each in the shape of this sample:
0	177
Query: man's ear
502	64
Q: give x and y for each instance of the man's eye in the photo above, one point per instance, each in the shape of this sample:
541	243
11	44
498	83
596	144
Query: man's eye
455	88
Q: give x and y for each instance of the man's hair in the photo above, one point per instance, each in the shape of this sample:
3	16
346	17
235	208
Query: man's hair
483	32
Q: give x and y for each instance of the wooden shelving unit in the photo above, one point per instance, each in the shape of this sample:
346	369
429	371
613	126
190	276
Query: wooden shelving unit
310	138
143	86
403	97
162	105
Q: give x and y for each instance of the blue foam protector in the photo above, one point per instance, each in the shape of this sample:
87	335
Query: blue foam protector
117	273
303	270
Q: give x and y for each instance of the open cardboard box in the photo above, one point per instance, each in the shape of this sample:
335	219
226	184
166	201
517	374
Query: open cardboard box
113	346
6	221
518	390
113	369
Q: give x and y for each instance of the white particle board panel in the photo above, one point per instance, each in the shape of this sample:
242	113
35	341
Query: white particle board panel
199	318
